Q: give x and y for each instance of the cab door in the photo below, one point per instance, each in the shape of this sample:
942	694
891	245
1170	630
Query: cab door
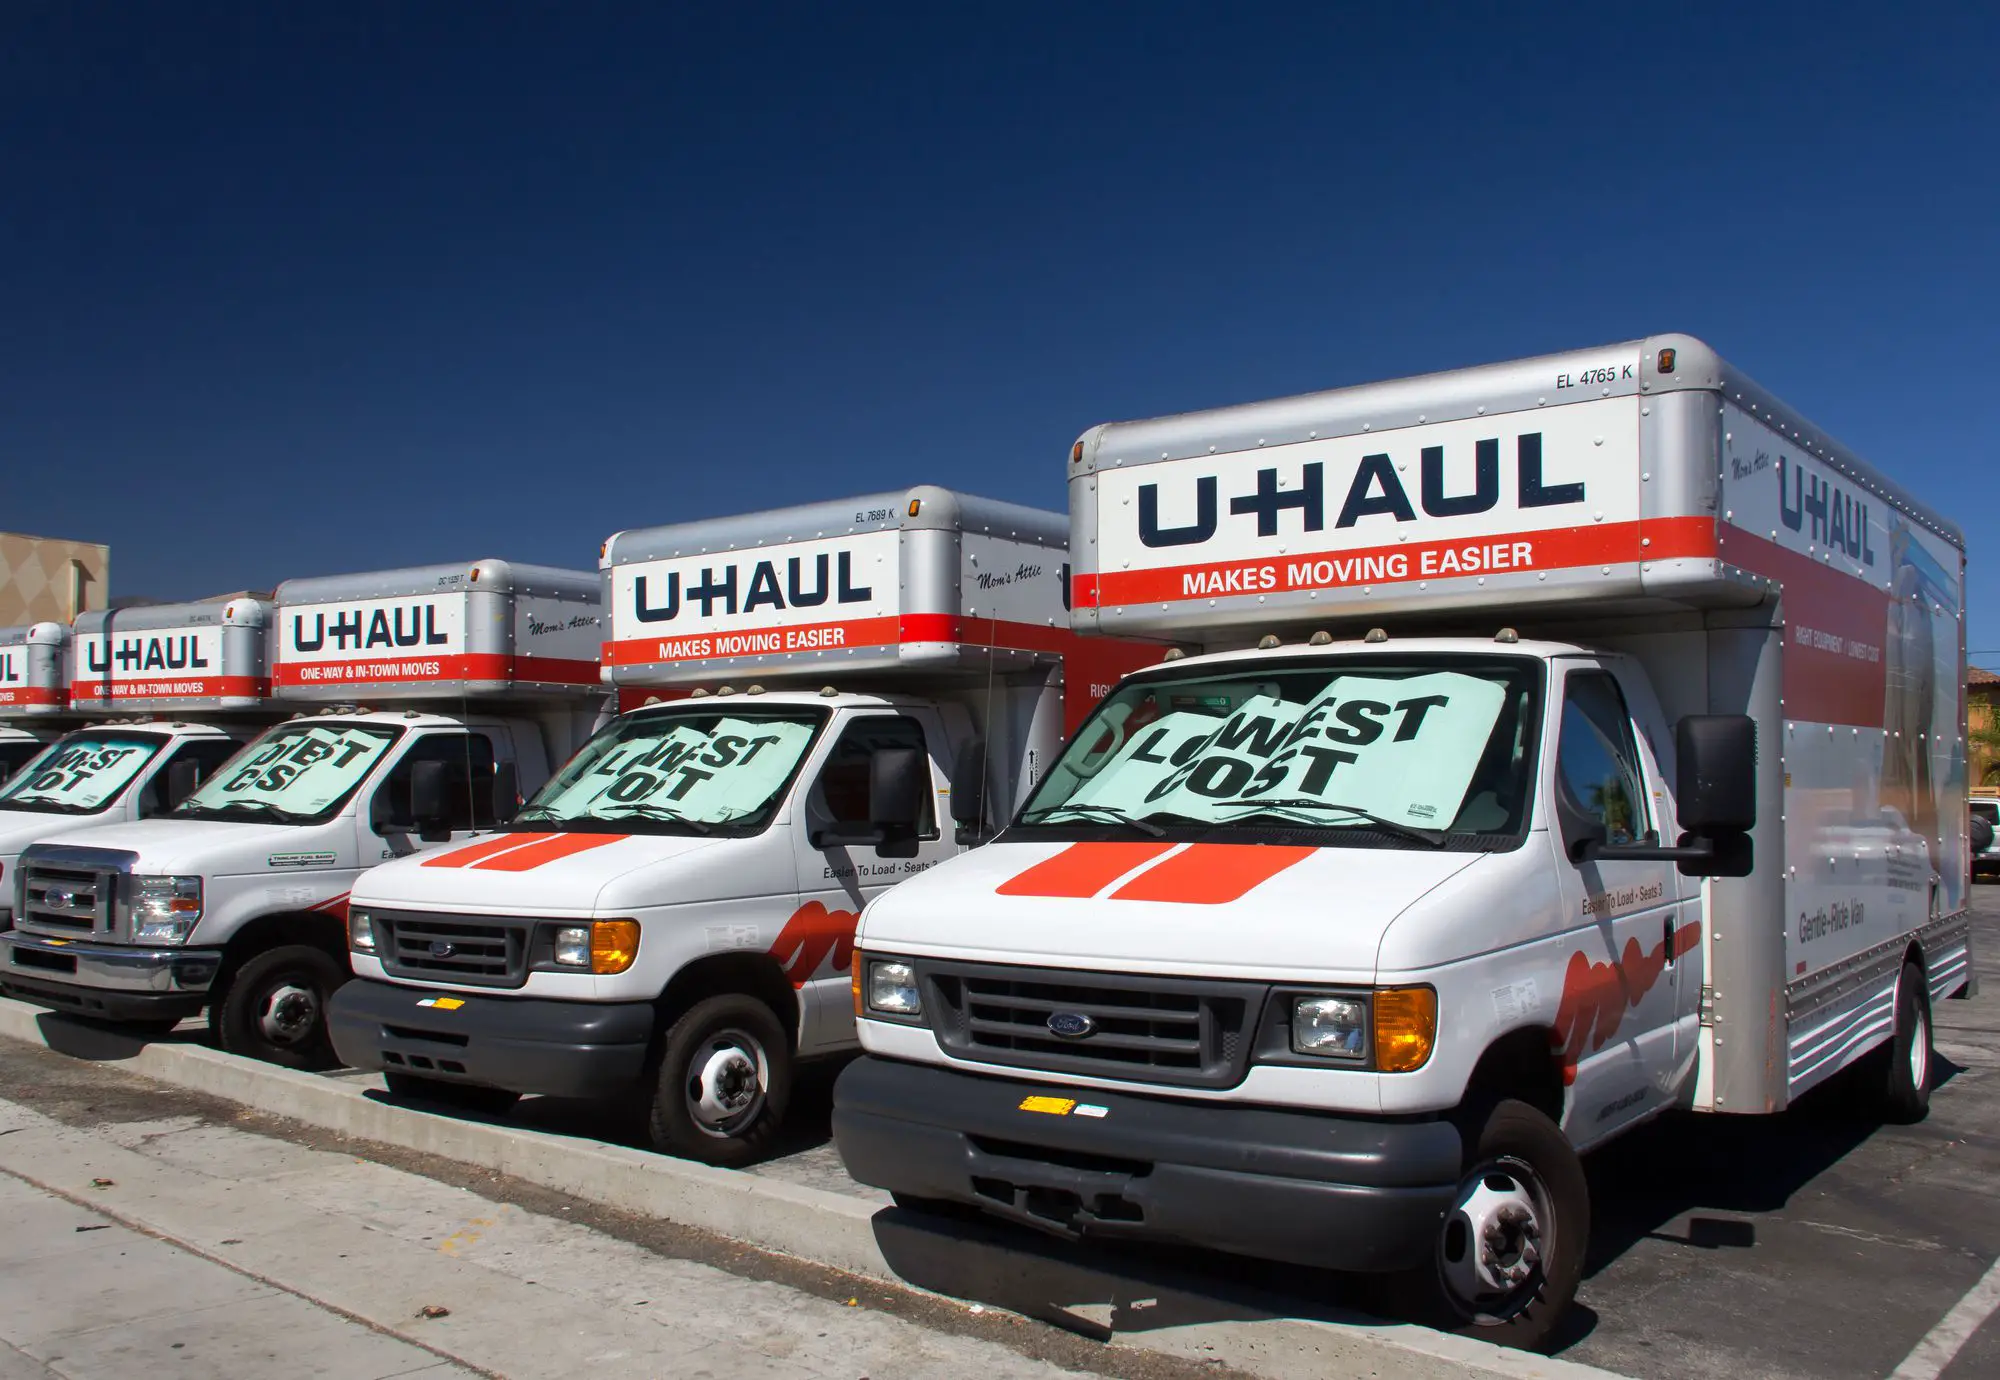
836	881
472	761
1619	1007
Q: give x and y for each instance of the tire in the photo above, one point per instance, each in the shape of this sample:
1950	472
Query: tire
1903	1076
1982	835
274	1008
463	1097
1523	1180
724	1081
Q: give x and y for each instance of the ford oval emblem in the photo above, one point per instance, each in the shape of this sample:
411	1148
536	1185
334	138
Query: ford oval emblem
58	899
1071	1025
440	949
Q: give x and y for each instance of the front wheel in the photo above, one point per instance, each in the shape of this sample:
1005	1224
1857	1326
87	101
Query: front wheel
725	1077
274	1009
1903	1073
1509	1252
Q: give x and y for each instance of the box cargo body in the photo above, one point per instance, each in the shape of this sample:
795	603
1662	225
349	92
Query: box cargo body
193	658
678	908
1574	738
478	679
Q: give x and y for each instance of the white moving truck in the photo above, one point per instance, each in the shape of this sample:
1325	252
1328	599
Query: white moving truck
172	690
1578	738
669	921
34	692
237	900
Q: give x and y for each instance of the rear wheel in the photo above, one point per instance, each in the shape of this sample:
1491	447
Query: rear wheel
725	1079
1902	1072
464	1097
1509	1252
274	1008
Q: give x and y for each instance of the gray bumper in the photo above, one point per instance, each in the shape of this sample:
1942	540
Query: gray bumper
108	981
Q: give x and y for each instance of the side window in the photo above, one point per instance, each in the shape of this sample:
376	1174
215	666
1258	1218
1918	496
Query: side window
207	754
841	793
1601	788
468	790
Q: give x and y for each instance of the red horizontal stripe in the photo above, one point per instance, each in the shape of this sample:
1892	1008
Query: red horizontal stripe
169	688
1212	874
1082	869
541	670
30	694
1556	548
783	639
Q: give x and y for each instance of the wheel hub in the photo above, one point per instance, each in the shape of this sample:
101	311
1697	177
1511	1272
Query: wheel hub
289	1014
726	1081
1492	1244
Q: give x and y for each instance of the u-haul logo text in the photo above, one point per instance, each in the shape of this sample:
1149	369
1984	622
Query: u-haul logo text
364	628
809	582
143	654
12	667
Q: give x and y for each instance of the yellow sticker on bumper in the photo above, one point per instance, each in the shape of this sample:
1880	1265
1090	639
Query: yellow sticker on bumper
1049	1106
442	1003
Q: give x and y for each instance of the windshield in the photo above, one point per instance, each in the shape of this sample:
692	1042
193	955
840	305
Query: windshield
82	774
679	771
298	774
1374	752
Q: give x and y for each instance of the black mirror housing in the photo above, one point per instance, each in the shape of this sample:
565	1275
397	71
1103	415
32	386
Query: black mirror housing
1717	758
428	783
968	785
183	779
506	791
897	780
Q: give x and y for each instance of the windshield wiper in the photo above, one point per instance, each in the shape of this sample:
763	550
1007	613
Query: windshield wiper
1108	814
233	807
54	807
1298	805
662	813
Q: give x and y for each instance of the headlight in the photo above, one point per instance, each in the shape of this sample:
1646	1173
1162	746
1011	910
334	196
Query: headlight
165	910
892	988
604	947
573	946
1331	1027
360	931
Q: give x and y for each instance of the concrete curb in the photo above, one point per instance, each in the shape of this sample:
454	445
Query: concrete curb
828	1229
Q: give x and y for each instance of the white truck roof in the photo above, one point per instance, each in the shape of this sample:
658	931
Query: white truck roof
480	629
163	658
923	579
1648	474
34	670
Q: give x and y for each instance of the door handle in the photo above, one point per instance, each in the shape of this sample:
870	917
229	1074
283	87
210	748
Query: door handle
1667	938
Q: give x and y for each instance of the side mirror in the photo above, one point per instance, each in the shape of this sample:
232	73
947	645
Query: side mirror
1716	799
968	789
428	783
1717	792
898	779
506	792
183	779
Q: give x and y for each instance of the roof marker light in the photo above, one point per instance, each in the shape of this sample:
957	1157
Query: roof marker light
1322	638
1376	635
1267	642
1507	635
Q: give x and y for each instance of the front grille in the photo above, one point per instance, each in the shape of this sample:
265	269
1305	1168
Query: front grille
67	900
479	951
1151	1030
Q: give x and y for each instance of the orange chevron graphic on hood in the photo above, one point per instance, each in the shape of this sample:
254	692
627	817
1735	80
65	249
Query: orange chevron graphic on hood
1201	874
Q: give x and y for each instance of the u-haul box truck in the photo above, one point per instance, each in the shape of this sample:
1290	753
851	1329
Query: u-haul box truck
165	693
34	691
669	920
1577	738
430	698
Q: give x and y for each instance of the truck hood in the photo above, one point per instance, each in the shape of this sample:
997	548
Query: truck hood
1208	909
19	828
559	874
190	845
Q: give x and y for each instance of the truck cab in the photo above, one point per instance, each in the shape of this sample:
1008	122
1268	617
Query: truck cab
838	702
1542	770
153	701
235	900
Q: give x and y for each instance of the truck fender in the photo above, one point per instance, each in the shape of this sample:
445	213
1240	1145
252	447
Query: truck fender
319	928
1523	1065
752	974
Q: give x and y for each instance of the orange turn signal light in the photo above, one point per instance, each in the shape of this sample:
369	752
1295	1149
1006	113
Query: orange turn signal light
857	964
614	945
1406	1025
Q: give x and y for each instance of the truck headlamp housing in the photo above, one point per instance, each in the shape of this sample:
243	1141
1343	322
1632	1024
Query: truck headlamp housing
360	931
1331	1027
603	947
892	988
164	910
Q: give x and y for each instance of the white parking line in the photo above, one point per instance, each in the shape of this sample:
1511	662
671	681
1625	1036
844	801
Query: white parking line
1929	1357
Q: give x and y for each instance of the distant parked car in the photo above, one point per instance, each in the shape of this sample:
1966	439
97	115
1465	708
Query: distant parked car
1985	850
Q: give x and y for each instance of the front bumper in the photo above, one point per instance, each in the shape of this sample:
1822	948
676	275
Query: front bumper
1337	1192
522	1044
116	982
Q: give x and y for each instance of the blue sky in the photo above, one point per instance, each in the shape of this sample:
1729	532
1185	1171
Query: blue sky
297	289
